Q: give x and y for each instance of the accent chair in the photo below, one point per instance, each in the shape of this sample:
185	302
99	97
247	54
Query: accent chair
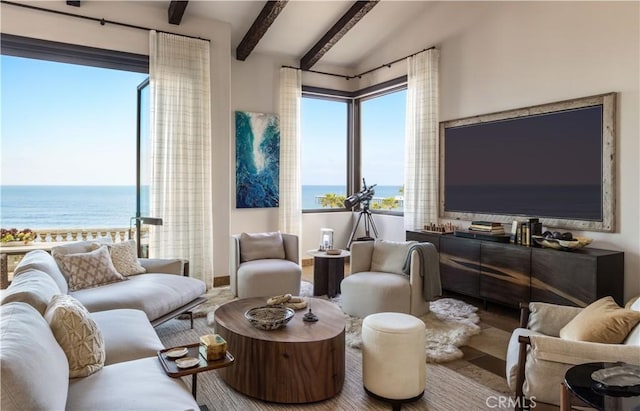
264	264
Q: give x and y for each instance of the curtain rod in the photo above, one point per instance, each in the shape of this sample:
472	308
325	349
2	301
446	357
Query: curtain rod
388	65
101	21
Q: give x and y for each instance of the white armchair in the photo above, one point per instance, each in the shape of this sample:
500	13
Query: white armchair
377	284
537	358
264	264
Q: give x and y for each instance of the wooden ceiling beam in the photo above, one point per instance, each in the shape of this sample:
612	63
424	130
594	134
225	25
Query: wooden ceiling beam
261	24
176	11
335	33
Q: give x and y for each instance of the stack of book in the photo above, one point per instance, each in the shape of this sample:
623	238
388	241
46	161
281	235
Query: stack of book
487	227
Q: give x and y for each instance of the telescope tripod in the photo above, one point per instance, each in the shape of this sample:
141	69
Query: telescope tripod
368	222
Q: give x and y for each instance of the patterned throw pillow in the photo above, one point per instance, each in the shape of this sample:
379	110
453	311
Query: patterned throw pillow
77	334
85	270
124	256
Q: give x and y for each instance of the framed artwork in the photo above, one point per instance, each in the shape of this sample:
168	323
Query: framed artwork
257	160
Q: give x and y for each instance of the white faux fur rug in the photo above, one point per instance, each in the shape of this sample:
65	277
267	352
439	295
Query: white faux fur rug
448	326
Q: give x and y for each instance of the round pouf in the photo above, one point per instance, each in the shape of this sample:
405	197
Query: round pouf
393	357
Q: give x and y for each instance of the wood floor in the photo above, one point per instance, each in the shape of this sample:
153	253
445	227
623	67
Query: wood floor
484	352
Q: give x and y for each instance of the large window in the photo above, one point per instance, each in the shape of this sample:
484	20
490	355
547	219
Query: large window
323	152
68	144
348	136
382	123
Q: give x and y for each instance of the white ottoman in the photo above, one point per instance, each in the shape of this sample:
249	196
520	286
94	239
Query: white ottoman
393	357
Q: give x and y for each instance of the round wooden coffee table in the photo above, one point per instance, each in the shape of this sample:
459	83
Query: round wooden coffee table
301	362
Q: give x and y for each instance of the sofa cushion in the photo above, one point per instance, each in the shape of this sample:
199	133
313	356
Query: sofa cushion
32	287
34	369
42	261
155	294
78	247
258	246
602	321
389	256
548	319
124	256
78	335
84	270
128	335
268	277
132	385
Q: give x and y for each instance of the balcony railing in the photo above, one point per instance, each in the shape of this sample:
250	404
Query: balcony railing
52	235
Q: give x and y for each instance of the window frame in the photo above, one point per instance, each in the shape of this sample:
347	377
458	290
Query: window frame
324	94
27	47
354	100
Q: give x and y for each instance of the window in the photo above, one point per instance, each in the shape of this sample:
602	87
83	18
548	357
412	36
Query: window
68	138
348	136
382	124
323	152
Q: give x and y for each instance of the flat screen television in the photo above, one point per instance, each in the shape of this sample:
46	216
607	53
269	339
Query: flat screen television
553	162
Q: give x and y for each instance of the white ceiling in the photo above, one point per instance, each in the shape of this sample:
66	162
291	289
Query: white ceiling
303	22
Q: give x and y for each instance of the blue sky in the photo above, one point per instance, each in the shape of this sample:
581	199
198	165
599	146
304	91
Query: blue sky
324	127
65	124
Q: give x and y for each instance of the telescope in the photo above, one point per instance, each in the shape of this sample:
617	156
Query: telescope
363	196
353	200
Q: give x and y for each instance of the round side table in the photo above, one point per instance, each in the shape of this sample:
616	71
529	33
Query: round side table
577	382
328	272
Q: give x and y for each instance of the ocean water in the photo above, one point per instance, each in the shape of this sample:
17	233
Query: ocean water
39	207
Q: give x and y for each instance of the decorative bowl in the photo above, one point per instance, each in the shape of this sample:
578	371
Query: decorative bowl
566	245
627	375
269	317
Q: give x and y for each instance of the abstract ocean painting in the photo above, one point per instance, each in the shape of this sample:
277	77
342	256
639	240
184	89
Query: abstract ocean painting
257	160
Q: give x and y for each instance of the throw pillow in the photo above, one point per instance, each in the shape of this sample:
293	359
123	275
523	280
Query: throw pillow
77	334
124	256
258	246
389	256
602	321
85	270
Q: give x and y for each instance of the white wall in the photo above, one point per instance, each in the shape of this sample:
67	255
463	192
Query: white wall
504	55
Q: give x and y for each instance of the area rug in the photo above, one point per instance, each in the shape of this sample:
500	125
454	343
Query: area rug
449	324
445	389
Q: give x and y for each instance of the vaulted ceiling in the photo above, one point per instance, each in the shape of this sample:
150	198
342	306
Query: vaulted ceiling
338	33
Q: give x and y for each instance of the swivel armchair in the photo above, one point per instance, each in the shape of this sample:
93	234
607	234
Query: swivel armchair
377	283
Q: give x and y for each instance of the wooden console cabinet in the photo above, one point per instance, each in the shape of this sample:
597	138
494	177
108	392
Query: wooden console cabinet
510	274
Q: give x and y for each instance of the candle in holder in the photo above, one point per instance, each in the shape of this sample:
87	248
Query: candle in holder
326	242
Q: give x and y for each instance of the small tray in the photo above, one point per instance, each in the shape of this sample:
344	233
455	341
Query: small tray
171	368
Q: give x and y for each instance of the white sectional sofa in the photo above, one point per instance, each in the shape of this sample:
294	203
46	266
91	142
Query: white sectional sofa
159	295
35	369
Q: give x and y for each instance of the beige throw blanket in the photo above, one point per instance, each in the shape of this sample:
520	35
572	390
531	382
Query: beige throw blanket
429	269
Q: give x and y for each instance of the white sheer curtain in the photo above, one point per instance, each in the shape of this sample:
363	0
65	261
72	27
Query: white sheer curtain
421	140
180	129
290	211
